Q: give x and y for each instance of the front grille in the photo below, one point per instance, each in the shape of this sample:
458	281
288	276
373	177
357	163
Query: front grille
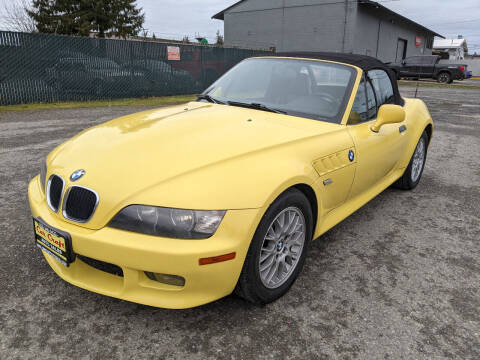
79	204
102	266
54	191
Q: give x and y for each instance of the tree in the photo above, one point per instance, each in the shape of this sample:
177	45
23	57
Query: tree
15	16
219	39
119	18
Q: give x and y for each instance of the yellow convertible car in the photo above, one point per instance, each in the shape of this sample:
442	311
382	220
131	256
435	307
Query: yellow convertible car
180	206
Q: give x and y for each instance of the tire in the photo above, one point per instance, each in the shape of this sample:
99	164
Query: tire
413	173
444	77
254	284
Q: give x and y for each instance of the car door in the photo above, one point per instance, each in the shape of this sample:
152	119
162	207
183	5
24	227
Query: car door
411	67
377	154
427	66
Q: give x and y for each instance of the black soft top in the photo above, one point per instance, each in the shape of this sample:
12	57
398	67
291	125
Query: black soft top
364	62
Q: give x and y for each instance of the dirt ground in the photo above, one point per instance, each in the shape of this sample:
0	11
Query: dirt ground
399	279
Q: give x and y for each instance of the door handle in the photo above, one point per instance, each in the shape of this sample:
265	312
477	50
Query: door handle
402	128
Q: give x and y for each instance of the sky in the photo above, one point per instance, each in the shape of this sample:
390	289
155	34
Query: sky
173	19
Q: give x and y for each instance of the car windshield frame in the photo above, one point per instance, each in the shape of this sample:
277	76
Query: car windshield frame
336	119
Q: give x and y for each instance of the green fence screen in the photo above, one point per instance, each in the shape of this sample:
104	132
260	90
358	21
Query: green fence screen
49	68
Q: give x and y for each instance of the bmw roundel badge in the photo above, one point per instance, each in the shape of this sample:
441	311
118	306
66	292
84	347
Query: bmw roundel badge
77	175
351	155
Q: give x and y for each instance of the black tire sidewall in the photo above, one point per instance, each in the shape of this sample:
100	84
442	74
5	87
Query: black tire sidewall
289	198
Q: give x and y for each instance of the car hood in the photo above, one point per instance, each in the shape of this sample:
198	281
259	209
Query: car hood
131	154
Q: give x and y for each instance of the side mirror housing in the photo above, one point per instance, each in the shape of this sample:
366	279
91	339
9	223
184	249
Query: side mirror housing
403	62
388	114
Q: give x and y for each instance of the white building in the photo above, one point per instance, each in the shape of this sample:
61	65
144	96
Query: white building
456	48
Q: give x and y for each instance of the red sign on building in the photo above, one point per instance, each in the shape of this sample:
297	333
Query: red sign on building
418	41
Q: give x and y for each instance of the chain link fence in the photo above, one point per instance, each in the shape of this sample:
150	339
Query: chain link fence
50	68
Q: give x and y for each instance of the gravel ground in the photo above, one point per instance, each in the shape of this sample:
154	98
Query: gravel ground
399	279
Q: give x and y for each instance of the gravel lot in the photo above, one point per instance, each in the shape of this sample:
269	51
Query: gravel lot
399	279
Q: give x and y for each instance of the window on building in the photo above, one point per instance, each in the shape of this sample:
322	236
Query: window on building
429	43
383	86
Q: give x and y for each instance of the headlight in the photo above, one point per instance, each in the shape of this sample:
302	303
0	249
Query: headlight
43	175
172	223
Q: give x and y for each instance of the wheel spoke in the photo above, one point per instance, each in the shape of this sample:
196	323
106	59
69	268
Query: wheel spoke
272	272
293	224
265	254
267	264
295	239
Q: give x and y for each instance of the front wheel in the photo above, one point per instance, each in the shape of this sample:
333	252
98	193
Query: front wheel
413	173
278	249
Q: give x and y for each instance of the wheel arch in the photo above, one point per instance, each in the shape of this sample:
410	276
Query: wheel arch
429	131
421	121
306	189
309	193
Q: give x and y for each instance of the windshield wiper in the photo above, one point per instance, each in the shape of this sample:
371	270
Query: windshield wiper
256	106
209	99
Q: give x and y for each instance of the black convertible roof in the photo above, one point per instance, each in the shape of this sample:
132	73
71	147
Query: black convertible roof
364	62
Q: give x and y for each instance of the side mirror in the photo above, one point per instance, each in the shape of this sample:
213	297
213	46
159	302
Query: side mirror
403	62
388	114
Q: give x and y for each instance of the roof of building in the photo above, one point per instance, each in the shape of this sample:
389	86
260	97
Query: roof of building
221	14
397	15
449	43
364	62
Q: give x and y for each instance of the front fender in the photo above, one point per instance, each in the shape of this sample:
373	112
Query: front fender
418	119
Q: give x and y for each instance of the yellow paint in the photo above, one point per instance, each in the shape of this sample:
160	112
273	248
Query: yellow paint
388	114
211	157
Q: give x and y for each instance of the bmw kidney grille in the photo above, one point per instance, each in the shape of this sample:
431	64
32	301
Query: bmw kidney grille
79	202
55	187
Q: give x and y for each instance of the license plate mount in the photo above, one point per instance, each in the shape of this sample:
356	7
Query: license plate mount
54	242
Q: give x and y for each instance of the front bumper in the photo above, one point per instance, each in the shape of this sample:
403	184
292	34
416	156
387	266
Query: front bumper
138	253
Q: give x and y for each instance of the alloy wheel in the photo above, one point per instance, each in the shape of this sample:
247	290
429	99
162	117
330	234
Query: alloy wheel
418	160
282	247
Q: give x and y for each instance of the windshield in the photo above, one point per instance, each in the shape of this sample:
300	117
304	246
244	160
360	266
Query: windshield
312	89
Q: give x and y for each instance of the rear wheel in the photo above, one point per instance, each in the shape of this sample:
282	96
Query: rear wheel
445	78
278	249
413	173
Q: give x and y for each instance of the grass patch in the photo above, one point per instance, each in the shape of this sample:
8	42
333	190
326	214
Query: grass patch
437	85
149	101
